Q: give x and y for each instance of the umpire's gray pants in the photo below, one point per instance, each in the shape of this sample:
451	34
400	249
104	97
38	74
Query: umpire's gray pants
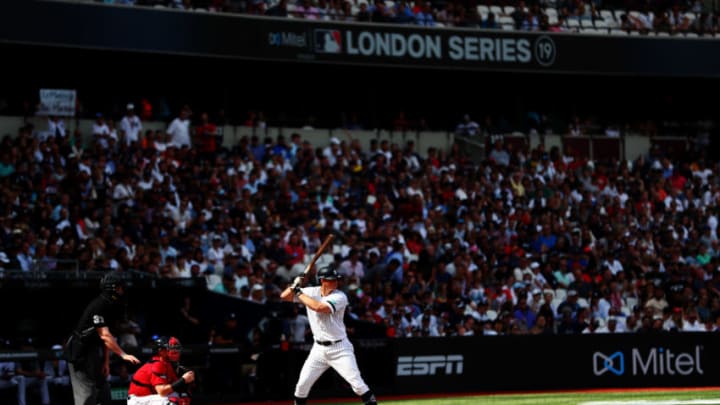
86	389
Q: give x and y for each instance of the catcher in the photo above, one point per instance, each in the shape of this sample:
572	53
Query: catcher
156	382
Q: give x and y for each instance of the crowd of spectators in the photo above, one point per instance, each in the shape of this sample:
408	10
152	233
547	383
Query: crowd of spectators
525	241
690	17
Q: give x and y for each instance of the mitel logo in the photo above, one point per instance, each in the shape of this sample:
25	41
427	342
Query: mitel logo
614	363
451	364
328	41
657	361
287	39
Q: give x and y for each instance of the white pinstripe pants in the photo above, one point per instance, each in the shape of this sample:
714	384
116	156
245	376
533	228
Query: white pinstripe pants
341	357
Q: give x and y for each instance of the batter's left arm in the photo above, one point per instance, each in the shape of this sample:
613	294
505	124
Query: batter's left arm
312	303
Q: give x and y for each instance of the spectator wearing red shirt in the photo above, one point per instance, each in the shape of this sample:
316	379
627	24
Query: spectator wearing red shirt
206	137
294	249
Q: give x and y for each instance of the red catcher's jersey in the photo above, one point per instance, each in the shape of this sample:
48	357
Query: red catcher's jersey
155	372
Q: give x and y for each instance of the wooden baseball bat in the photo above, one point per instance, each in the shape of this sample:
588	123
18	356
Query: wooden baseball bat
319	253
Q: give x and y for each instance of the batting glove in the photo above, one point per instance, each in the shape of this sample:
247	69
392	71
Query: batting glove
297	281
297	291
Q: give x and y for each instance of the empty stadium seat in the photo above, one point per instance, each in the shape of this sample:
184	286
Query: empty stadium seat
601	24
573	23
607	15
503	19
552	14
555	302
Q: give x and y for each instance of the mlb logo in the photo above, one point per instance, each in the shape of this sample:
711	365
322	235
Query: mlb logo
328	41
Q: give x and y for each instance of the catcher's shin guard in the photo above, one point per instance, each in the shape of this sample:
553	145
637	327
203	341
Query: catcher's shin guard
369	398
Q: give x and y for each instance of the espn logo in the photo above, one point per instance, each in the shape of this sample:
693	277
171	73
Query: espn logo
328	41
430	365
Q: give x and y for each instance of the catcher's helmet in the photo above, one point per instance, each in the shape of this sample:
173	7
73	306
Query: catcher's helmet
111	281
160	343
167	343
328	273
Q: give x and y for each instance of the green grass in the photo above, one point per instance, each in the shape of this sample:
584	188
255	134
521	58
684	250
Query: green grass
650	397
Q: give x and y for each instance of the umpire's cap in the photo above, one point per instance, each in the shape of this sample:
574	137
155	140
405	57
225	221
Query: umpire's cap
328	273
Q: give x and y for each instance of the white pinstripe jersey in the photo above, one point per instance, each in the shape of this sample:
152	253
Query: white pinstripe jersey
327	327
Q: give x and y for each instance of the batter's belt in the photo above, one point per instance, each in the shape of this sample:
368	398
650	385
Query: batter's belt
327	342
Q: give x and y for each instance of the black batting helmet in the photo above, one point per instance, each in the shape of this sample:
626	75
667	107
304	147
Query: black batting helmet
328	273
111	281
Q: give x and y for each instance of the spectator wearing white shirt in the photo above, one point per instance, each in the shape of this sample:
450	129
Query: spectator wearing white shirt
612	325
56	369
166	249
10	379
131	126
614	265
123	192
56	126
332	151
101	131
216	253
467	127
179	129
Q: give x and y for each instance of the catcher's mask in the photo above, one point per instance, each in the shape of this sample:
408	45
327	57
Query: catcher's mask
171	344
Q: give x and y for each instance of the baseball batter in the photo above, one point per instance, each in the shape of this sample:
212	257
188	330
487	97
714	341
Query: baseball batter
331	348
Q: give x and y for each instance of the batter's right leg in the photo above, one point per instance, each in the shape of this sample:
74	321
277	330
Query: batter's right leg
368	398
313	368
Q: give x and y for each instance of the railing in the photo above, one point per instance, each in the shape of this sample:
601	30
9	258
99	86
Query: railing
594	147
